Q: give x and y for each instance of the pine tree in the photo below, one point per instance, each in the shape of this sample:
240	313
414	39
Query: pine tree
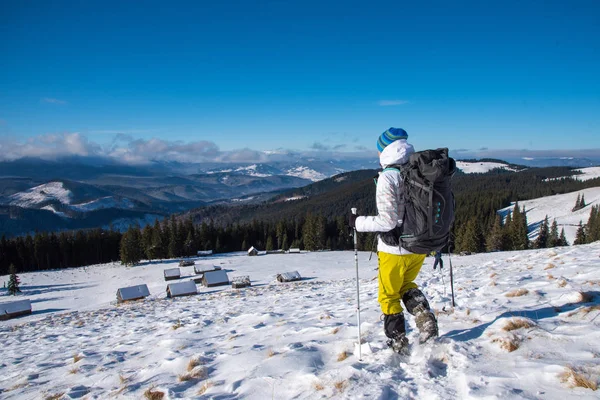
13	281
562	240
518	231
284	242
553	236
130	249
496	239
269	245
472	240
580	235
542	240
577	203
582	201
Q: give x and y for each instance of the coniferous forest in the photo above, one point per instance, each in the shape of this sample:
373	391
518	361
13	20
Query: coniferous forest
316	222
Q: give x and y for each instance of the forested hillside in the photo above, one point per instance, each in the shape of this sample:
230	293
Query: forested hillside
316	221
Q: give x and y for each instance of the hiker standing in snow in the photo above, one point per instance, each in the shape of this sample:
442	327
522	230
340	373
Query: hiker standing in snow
398	267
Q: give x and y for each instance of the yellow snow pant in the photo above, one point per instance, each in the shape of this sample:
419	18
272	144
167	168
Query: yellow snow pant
396	276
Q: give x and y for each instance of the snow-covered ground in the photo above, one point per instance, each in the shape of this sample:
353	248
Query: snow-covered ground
297	340
588	173
42	193
558	207
306	173
480	167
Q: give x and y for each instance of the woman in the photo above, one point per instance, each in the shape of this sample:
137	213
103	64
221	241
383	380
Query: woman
398	267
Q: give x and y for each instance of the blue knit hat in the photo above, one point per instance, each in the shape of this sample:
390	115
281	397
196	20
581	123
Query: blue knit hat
389	136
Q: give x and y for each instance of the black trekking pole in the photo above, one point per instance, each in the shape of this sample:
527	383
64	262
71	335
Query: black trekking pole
451	279
357	289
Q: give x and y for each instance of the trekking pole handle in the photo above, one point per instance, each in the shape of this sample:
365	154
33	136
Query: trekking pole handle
354	211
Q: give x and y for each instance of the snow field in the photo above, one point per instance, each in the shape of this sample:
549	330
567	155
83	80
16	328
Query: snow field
522	318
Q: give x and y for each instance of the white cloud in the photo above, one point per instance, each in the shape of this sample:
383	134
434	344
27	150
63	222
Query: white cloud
50	100
387	103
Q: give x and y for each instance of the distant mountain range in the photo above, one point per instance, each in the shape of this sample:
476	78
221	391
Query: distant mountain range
79	193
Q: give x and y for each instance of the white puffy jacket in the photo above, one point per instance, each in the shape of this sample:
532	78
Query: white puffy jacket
390	202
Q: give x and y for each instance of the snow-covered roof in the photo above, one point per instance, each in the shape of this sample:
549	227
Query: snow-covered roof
15	307
205	252
252	250
181	288
289	276
133	292
200	269
241	279
294	250
172	273
215	278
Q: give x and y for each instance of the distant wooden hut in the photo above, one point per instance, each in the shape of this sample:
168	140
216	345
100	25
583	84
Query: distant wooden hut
132	293
204	253
215	278
294	251
201	269
178	289
13	309
186	263
172	273
252	251
238	282
275	251
289	276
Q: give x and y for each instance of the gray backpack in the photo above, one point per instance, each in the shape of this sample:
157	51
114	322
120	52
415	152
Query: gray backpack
429	201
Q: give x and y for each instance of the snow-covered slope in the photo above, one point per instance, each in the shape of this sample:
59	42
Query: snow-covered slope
480	167
51	191
558	207
588	173
297	340
306	173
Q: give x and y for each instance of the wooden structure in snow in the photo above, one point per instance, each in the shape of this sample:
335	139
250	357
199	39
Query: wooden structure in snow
186	263
204	253
172	273
215	278
202	269
177	289
132	293
289	276
252	251
275	251
294	251
238	282
14	309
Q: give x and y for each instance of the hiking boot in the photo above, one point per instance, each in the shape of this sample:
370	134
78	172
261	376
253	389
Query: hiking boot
426	323
399	344
394	327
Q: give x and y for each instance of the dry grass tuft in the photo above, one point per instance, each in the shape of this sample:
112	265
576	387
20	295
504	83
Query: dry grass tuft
151	394
73	371
579	378
77	358
318	386
551	277
194	374
518	323
123	379
325	316
54	396
493	283
343	355
517	293
205	386
177	325
508	344
549	266
340	385
586	297
585	310
562	282
193	363
335	330
18	386
271	353
493	275
468	311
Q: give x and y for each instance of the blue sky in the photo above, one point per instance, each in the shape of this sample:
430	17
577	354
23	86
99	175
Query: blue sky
301	75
